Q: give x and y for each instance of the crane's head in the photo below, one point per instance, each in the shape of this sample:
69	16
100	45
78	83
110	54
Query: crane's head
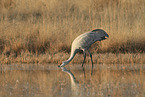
63	64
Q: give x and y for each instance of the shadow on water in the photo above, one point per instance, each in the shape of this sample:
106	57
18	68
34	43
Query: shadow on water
31	80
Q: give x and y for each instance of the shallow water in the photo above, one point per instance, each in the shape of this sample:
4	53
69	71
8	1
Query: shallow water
31	80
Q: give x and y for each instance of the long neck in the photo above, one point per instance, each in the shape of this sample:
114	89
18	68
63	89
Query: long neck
73	53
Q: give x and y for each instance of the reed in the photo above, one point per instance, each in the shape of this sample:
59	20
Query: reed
50	26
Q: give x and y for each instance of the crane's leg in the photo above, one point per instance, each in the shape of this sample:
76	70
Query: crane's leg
91	61
84	57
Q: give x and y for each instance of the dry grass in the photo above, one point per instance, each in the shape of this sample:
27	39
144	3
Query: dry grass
107	58
49	26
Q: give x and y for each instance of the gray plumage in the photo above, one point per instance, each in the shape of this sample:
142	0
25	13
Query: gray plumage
83	42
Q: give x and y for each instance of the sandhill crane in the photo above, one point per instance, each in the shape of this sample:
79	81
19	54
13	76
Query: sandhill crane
83	42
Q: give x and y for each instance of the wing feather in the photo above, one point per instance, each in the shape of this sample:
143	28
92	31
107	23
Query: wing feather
85	40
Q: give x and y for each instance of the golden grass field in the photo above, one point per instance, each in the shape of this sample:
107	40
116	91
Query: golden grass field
42	31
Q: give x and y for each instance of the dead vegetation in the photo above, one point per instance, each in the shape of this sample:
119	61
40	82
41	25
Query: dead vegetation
49	26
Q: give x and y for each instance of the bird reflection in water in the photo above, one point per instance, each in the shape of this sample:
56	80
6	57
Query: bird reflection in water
76	89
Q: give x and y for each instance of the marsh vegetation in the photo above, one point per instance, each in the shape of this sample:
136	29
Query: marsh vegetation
31	29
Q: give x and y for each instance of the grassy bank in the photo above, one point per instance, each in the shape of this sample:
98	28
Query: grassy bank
107	58
49	26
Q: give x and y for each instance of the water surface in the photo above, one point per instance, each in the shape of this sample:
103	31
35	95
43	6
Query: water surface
31	80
